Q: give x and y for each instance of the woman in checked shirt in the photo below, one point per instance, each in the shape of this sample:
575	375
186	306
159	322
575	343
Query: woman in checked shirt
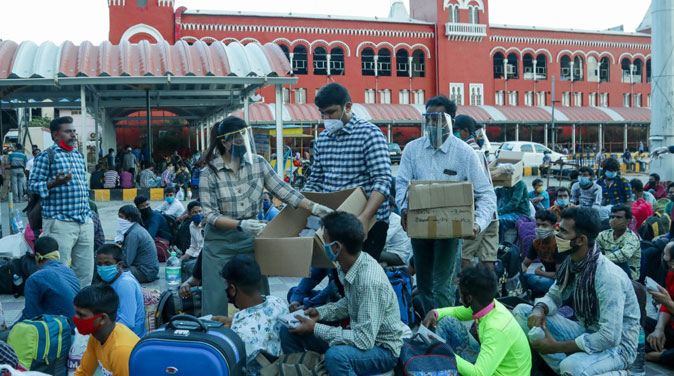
231	190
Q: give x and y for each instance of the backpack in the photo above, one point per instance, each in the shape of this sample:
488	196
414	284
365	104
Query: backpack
507	268
419	358
402	285
641	210
42	344
173	228
654	226
308	363
196	177
166	308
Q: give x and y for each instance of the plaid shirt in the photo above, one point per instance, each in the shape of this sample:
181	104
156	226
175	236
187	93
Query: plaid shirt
371	304
239	195
356	156
68	202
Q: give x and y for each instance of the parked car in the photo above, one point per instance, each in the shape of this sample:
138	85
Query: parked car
395	152
533	152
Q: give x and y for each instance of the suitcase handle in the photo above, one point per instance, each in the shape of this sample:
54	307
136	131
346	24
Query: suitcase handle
184	317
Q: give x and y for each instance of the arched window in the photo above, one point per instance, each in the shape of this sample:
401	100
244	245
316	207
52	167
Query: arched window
498	65
592	69
648	71
320	61
402	63
625	67
418	64
541	67
367	62
300	60
454	13
604	70
528	66
638	71
474	17
337	61
384	62
285	50
565	74
578	67
512	68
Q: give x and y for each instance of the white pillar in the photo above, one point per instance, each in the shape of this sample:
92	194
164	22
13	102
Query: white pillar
388	133
601	138
83	122
246	109
545	135
279	130
662	83
517	132
410	60
625	138
573	138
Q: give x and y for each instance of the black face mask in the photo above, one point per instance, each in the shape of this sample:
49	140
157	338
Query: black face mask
231	299
146	212
238	151
480	142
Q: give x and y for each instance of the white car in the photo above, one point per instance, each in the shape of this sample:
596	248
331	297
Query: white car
533	152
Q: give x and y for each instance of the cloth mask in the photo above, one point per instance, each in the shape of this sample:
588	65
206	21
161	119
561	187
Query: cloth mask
543	233
333	125
563	245
122	227
146	212
170	199
328	251
107	273
197	219
562	202
86	326
65	146
618	223
611	174
55	255
457	135
539	190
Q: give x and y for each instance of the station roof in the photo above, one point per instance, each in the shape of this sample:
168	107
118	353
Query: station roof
192	81
263	113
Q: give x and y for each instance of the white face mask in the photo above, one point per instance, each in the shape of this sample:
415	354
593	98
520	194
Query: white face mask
333	125
122	227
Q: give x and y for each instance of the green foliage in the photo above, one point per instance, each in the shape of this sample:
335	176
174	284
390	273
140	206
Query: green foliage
38	121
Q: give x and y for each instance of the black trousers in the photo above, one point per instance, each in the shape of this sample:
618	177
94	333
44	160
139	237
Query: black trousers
667	357
376	240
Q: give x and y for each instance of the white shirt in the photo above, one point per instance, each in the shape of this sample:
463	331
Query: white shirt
175	209
196	242
397	241
29	165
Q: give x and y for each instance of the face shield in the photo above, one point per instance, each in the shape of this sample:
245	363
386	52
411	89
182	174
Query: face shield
240	144
437	127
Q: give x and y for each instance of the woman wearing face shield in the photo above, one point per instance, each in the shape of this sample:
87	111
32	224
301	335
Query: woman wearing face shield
231	189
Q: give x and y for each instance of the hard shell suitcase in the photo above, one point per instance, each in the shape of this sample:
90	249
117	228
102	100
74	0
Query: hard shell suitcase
189	346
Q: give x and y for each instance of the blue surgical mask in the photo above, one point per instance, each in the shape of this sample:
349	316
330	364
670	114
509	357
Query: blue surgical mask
266	205
611	174
562	202
457	135
170	199
107	273
480	142
584	180
328	251
197	219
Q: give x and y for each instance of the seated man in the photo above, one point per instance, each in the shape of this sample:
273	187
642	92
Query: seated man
643	203
513	202
604	339
140	253
562	201
655	187
194	280
539	197
503	347
171	206
110	343
269	211
126	179
621	245
131	311
543	248
196	231
147	177
111	178
155	223
585	192
638	192
257	321
545	166
372	344
398	248
51	288
628	161
615	189
660	340
97	178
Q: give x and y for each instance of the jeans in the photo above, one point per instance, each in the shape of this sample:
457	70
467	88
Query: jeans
455	333
536	283
506	222
341	359
76	246
607	362
435	261
18	183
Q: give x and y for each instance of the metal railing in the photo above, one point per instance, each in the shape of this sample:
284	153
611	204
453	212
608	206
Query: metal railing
454	29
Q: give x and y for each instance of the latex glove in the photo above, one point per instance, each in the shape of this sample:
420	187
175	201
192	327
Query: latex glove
252	226
320	210
659	152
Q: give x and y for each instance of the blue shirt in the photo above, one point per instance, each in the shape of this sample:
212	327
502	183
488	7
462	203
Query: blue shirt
355	156
619	192
271	213
157	226
546	198
131	311
68	202
50	290
18	158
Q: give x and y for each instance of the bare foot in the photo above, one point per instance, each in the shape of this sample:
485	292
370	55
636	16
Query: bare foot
653	356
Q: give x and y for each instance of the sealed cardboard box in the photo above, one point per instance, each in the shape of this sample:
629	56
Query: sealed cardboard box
280	251
440	210
513	157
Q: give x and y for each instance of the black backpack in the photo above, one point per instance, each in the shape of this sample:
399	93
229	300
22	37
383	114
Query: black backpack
23	266
167	306
507	269
173	228
654	226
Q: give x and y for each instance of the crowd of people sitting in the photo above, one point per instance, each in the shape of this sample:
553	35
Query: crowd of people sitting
583	253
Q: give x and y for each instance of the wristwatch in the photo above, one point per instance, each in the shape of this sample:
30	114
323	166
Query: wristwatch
238	226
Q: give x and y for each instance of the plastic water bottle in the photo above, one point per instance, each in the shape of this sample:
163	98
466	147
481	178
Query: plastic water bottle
18	221
637	368
17	280
173	277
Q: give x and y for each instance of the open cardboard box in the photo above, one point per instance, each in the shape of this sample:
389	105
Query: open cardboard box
281	252
513	157
440	210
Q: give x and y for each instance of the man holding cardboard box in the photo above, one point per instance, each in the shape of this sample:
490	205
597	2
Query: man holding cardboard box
444	213
352	153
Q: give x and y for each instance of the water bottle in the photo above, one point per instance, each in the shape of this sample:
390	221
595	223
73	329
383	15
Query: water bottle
637	368
17	280
173	280
18	221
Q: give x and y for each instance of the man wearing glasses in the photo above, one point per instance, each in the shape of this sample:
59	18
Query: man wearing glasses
59	176
441	156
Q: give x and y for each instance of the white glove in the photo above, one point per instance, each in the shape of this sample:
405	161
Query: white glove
320	210
659	152
252	226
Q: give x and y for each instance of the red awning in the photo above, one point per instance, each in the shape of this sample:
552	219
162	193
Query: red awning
524	114
585	114
392	112
634	114
303	112
476	112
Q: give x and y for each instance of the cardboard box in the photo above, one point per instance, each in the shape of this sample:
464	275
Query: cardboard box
440	210
281	252
513	157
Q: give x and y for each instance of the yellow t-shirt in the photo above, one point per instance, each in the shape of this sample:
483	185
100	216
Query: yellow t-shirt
113	356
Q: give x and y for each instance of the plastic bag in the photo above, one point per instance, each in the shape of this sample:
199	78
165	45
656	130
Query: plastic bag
14	246
77	349
13	372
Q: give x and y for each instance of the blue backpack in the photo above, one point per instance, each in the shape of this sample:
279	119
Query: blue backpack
402	285
196	177
42	344
420	359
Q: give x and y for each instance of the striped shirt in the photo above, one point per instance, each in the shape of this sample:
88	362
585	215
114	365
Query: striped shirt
111	179
371	305
239	195
68	202
355	156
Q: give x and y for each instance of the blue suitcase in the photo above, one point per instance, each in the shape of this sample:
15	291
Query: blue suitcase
188	346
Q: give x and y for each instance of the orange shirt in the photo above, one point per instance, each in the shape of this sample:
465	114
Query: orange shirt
113	356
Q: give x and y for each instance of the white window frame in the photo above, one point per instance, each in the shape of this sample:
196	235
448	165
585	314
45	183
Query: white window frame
626	100
603	97
370	96
578	99
540	98
566	99
404	96
419	97
529	98
476	94
592	99
301	96
286	95
648	100
499	98
385	96
512	98
456	93
637	100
